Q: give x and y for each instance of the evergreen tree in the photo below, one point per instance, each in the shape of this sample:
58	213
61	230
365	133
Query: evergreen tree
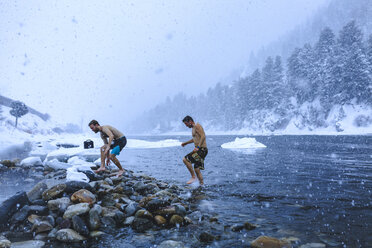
19	109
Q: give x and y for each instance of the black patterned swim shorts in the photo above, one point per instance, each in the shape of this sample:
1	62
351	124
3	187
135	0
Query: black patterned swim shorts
197	158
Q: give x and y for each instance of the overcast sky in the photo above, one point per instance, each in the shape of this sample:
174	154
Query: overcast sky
111	60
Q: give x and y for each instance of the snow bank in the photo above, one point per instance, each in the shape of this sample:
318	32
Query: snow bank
243	143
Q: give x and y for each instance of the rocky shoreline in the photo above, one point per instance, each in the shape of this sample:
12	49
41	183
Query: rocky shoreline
133	210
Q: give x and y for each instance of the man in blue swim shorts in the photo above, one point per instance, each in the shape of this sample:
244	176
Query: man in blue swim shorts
116	142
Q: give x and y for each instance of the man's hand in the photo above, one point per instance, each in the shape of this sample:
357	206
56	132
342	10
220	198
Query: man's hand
183	144
108	161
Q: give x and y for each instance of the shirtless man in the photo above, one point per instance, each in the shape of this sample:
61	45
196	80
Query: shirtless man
200	151
116	142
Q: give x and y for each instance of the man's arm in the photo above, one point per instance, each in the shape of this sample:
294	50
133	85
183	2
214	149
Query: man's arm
110	135
187	142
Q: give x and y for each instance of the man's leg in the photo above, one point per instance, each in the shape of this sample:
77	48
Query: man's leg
117	163
199	175
103	157
189	167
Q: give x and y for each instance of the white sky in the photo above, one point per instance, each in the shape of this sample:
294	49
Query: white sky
110	60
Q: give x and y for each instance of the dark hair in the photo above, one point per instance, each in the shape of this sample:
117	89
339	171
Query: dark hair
93	122
187	119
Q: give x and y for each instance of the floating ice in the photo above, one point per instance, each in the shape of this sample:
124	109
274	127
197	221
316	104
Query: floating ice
241	143
31	161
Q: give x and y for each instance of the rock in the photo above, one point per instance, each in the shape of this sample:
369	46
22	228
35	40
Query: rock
31	162
64	224
77	209
83	195
180	210
108	201
41	226
29	244
36	191
131	209
79	225
167	211
69	236
160	220
41	236
141	224
313	245
94	217
119	217
109	211
142	213
59	204
73	186
96	234
52	233
176	220
39	202
4	242
53	192
171	244
107	221
156	204
269	242
109	181
21	215
11	205
128	221
206	237
40	210
248	226
128	190
8	163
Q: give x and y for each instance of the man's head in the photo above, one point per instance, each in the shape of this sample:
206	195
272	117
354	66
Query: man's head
189	122
94	125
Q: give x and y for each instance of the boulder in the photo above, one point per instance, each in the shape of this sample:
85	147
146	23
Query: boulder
141	224
82	196
69	236
11	205
73	186
53	192
41	226
29	244
269	242
77	209
36	192
60	204
94	217
160	220
171	244
175	220
21	215
80	226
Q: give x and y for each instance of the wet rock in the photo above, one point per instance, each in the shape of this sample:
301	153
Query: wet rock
108	201
248	226
109	211
53	192
41	226
269	242
79	225
128	190
109	181
141	224
313	245
96	234
41	236
92	176
11	205
29	244
180	210
40	210
77	209
36	191
171	244
94	217
160	220
69	236
64	224
128	221
52	233
73	186
39	202
21	215
175	220
83	195
107	221
4	242
119	217
8	163
142	213
206	237
131	209
59	204
156	204
167	211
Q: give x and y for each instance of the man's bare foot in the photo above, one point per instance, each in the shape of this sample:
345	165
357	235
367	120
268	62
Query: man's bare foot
100	169
193	179
120	173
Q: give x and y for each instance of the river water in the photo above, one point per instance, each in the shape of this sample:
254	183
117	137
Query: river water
315	188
